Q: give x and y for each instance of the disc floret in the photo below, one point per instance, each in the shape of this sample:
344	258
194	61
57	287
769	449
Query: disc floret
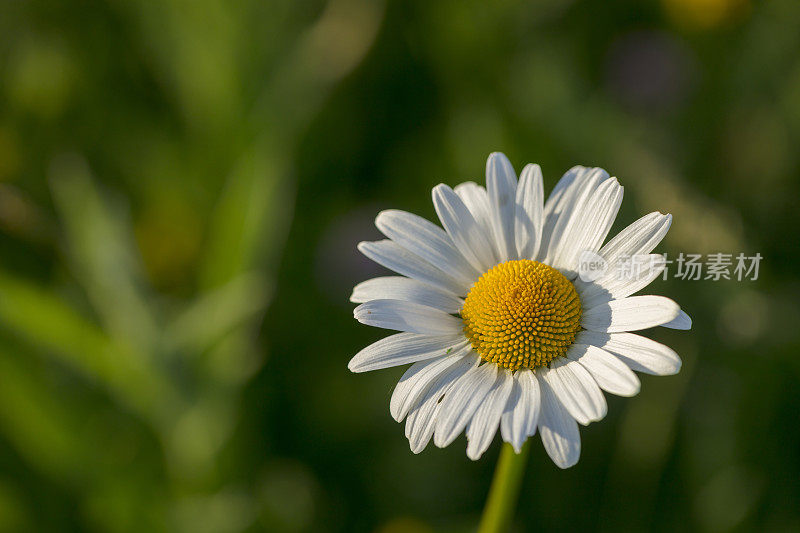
521	313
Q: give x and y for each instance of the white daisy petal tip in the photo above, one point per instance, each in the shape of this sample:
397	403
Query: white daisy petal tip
381	217
438	190
682	321
497	158
639	353
499	169
558	431
383	220
611	374
532	168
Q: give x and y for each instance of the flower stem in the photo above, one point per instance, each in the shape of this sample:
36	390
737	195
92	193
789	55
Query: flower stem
504	492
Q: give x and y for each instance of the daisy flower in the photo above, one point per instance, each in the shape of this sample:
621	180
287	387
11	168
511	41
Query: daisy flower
501	330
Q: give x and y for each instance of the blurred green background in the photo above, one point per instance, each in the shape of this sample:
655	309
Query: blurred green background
182	185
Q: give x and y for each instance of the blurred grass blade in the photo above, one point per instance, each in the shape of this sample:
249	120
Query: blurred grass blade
102	253
48	323
249	222
218	312
320	58
41	426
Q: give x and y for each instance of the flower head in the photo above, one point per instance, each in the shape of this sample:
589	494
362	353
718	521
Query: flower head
501	330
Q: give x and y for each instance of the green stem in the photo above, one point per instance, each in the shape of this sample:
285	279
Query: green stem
504	492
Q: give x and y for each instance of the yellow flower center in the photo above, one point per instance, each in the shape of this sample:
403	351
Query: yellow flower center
521	314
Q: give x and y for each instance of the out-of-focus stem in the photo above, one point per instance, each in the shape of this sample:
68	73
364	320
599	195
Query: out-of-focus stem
504	492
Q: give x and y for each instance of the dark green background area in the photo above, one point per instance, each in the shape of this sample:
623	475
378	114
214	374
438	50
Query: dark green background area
182	186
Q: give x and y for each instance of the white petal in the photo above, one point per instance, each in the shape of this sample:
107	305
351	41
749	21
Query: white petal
395	257
560	205
529	212
418	379
576	390
462	401
620	282
421	420
407	316
639	238
407	289
586	225
563	189
466	233
560	195
483	426
630	314
477	201
426	240
501	184
610	373
404	348
559	432
682	321
522	410
639	353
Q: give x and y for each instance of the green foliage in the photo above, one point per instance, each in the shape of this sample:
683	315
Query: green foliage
127	348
